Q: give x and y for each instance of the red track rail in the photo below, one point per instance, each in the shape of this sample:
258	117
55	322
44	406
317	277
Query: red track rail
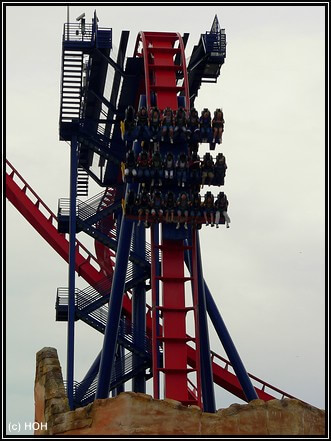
159	50
36	212
44	221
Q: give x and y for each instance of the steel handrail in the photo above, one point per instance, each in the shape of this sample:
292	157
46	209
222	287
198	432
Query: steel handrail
253	377
79	246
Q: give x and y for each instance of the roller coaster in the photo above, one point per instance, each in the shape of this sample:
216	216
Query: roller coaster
141	341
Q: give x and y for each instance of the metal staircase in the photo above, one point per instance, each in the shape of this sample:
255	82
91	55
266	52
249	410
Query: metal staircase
71	85
82	182
125	368
90	211
97	319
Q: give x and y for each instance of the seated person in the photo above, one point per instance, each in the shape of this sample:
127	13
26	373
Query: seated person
181	169
182	208
195	207
130	203
143	133
169	166
208	208
155	169
154	124
169	206
168	124
180	123
143	202
194	168
221	206
130	170
218	126
143	163
157	205
205	126
129	126
193	126
219	169
207	169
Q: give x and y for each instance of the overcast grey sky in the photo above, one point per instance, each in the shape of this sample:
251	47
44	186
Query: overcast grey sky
266	272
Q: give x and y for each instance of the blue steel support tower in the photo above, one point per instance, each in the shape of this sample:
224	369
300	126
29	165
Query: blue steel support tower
140	341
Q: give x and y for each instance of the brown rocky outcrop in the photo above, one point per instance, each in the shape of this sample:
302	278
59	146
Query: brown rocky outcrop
139	414
49	392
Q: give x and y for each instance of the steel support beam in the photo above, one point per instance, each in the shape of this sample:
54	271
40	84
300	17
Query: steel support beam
71	275
114	310
89	377
155	272
207	384
120	356
139	304
229	347
226	341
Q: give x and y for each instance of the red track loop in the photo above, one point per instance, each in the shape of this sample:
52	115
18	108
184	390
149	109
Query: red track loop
162	51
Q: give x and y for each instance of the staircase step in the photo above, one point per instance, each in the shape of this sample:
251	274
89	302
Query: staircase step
71	65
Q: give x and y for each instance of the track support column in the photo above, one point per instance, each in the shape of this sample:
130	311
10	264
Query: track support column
207	383
139	305
71	276
155	273
229	347
114	310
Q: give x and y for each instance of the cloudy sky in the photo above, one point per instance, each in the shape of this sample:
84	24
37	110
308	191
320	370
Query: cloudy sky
266	272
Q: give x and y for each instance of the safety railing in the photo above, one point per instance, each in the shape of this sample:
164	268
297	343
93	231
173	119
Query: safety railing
94	293
192	388
99	319
259	384
214	43
124	369
46	212
75	32
85	209
62	296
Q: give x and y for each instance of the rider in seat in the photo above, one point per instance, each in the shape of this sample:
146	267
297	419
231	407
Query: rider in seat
169	166
182	208
143	133
205	126
156	171
181	169
157	205
195	207
219	169
169	206
221	205
130	171
207	169
208	208
129	126
180	124
218	126
144	204
168	124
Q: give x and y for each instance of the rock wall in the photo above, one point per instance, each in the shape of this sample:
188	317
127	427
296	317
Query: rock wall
49	392
139	414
